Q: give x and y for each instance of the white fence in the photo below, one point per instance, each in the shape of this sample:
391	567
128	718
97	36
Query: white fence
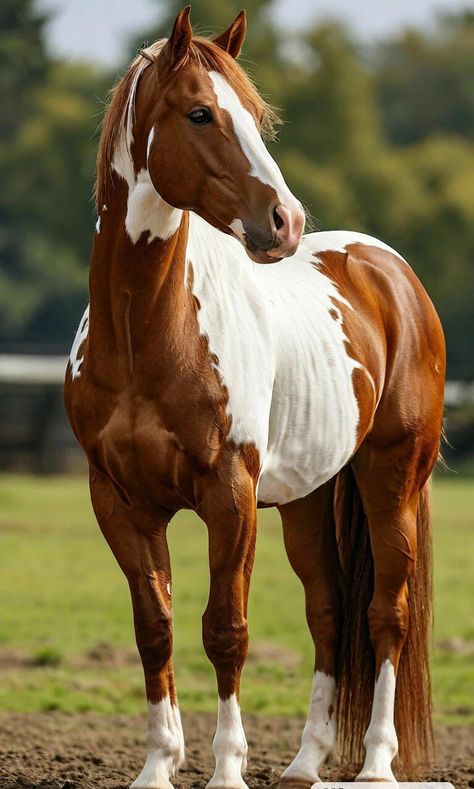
51	369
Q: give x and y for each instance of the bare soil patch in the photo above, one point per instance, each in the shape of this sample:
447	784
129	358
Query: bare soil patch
57	751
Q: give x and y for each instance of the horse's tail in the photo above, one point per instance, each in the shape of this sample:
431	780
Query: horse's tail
356	670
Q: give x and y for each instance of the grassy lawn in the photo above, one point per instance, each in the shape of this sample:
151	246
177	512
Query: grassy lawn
66	638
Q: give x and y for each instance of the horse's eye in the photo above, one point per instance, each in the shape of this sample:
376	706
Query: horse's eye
200	116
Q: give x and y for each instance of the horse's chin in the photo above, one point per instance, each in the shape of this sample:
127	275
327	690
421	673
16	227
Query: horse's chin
258	255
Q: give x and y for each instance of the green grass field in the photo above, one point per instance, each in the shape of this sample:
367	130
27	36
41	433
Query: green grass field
66	637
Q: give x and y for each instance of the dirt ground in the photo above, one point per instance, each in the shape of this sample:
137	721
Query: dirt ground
52	750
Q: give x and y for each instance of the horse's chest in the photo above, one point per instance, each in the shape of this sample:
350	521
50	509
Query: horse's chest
131	444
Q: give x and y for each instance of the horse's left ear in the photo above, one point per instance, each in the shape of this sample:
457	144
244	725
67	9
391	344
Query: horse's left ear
231	40
176	47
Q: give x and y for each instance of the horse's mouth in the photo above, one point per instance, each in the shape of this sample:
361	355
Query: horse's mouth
256	253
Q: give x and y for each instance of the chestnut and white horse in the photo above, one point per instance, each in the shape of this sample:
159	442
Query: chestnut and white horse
227	362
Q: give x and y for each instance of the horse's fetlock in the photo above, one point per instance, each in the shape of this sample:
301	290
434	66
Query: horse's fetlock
226	743
382	736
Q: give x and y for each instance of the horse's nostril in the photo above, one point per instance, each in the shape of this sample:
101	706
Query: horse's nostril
277	219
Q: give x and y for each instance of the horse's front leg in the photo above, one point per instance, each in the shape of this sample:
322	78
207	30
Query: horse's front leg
139	544
230	514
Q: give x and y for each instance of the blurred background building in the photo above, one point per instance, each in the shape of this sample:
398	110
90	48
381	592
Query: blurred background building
378	136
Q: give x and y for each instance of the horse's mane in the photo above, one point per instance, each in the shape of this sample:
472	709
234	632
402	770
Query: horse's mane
117	124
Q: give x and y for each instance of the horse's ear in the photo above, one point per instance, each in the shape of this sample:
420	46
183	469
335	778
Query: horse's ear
231	40
175	49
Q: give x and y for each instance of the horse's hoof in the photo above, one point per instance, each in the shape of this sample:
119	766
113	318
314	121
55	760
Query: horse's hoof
295	783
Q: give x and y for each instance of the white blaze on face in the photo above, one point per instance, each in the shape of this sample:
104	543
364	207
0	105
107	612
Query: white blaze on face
380	741
319	735
262	166
165	746
229	746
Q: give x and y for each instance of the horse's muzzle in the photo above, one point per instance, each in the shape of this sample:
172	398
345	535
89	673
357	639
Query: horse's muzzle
289	221
280	239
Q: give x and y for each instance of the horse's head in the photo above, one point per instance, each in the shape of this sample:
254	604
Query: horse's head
197	128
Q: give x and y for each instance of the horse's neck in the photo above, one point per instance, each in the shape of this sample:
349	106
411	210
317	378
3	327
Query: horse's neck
137	282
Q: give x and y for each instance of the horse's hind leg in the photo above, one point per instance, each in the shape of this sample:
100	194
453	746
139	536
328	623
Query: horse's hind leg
138	542
310	541
390	481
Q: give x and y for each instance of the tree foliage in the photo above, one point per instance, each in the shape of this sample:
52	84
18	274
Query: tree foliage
379	141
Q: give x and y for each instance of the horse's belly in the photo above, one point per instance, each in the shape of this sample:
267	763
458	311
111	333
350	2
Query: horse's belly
313	431
299	464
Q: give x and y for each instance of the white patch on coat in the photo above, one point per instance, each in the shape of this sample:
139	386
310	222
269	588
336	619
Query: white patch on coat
281	355
338	240
122	161
380	741
165	746
151	137
97	224
319	734
229	746
238	229
81	334
262	165
146	209
147	212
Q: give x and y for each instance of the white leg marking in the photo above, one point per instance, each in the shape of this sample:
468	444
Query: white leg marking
380	741
165	746
319	734
178	728
229	746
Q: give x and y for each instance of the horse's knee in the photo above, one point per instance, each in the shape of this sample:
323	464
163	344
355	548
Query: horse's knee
226	645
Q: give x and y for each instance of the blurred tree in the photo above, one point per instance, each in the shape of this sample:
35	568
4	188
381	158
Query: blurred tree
48	114
425	81
24	68
442	241
24	61
409	180
330	100
49	172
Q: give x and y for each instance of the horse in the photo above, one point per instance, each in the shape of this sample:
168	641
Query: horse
228	362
